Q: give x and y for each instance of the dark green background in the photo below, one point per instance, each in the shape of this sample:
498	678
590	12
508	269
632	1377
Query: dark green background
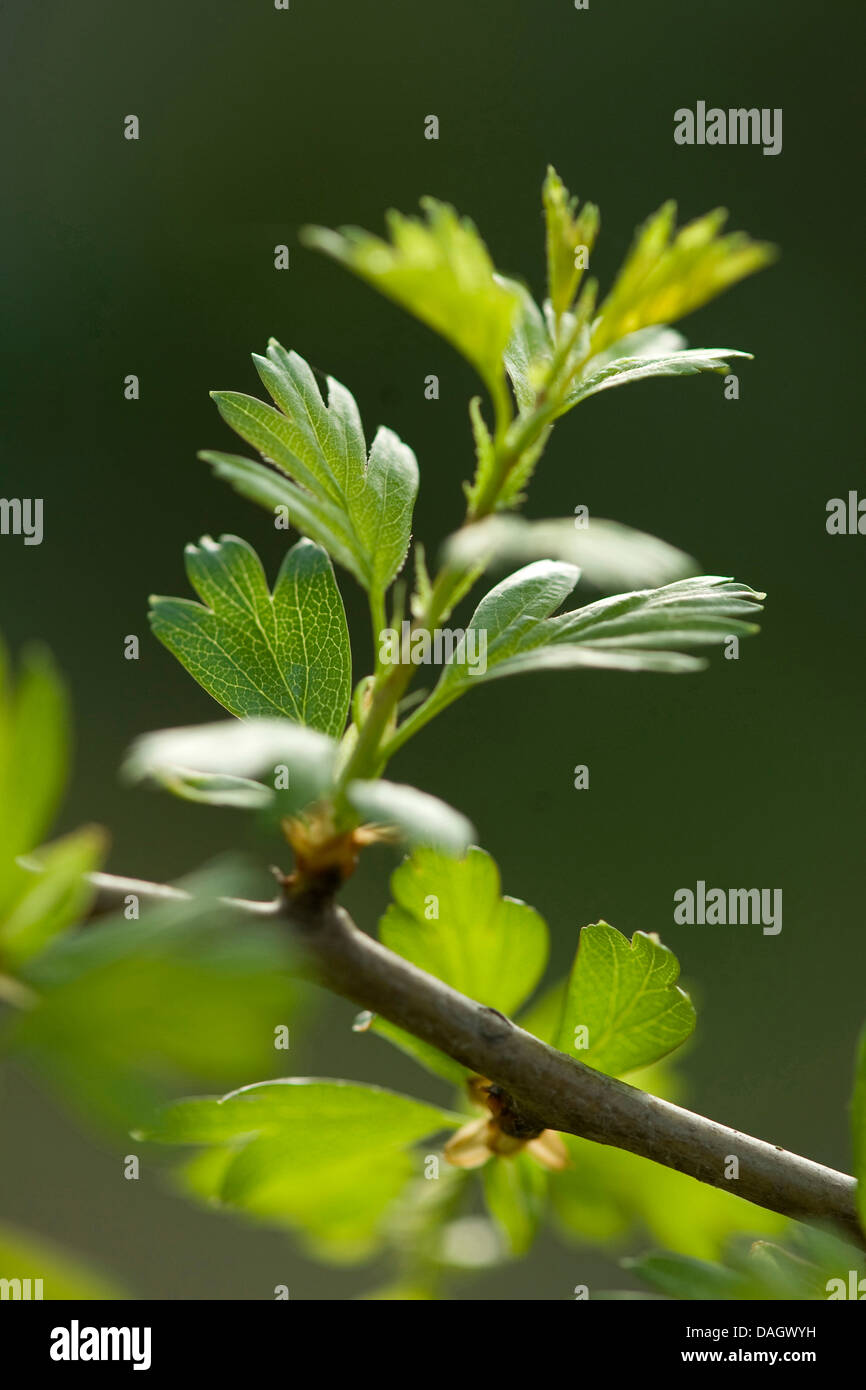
156	258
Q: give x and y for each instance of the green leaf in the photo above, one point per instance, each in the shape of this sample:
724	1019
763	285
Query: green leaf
326	1157
515	1191
624	994
319	519
678	1276
566	231
665	277
358	507
316	1116
438	269
623	370
230	752
215	789
507	621
858	1128
607	554
259	653
131	1009
703	610
529	351
449	918
58	895
34	737
643	631
420	818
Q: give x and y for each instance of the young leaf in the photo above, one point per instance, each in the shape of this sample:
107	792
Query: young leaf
515	1190
34	737
250	749
420	818
325	1157
643	631
568	233
358	507
858	1129
449	918
624	994
440	270
665	277
215	788
260	653
507	621
318	518
677	1276
128	1009
623	370
529	351
608	555
56	896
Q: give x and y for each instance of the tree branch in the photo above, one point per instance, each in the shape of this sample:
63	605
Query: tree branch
549	1089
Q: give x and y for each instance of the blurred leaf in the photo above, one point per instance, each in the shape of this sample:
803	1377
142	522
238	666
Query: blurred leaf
858	1128
448	917
515	1190
215	789
229	750
34	738
325	1157
259	653
678	1276
440	270
809	1268
607	554
64	1276
624	993
665	277
608	1196
129	1010
57	896
358	507
567	230
419	818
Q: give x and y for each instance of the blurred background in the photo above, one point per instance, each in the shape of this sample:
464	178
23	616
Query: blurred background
156	258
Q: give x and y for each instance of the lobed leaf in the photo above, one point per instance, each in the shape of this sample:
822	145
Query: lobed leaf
260	653
439	270
358	507
666	276
449	918
624	994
